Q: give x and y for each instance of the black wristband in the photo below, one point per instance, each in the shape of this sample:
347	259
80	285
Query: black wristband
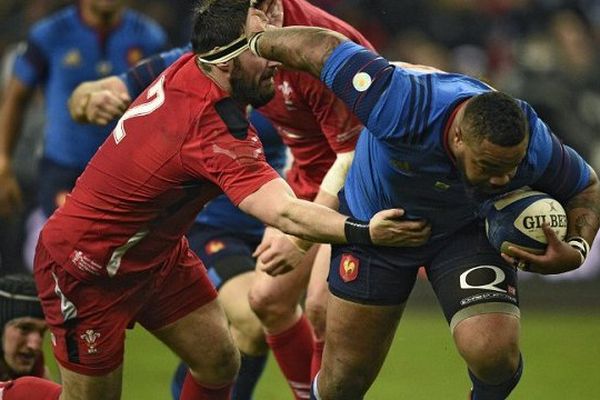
357	232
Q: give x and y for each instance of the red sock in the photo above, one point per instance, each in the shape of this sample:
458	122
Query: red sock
293	351
315	364
193	391
30	388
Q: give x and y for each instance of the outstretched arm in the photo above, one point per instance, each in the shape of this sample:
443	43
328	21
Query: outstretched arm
317	223
302	48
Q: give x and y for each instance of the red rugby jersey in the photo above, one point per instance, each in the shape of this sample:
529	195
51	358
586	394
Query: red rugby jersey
170	153
312	121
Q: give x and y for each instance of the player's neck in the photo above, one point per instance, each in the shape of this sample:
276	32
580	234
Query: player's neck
99	20
218	76
455	121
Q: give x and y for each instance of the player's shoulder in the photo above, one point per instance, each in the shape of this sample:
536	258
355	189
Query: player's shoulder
186	84
56	24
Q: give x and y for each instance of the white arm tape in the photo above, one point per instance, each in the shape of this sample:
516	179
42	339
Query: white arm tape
335	177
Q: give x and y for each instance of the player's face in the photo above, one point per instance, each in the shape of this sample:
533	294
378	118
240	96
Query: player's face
252	79
105	6
22	343
488	167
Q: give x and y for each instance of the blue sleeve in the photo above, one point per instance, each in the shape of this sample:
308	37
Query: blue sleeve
275	150
389	101
143	73
31	63
563	173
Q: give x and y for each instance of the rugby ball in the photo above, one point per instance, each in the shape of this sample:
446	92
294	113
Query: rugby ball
516	218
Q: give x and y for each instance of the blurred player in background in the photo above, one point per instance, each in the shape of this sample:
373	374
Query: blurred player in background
92	39
321	134
438	146
114	253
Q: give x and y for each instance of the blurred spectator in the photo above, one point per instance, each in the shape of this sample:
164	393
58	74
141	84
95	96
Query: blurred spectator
557	72
86	40
25	162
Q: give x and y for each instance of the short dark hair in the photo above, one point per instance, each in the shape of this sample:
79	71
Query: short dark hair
218	23
497	117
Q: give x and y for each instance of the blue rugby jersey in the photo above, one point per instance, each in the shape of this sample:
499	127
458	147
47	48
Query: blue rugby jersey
401	159
62	51
219	212
138	78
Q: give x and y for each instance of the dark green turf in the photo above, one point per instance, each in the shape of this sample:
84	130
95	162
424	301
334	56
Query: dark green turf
562	359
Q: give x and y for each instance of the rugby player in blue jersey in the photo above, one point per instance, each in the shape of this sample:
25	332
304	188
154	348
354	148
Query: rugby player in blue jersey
90	40
222	236
437	145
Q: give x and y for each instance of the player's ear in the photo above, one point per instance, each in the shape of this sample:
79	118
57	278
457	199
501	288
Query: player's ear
226	66
457	136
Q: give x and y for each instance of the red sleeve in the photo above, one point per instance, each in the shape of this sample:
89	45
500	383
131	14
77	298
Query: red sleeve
338	124
236	164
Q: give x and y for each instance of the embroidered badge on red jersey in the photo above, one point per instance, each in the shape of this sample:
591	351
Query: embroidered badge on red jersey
349	267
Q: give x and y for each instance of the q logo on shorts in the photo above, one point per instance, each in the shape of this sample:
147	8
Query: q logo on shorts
499	277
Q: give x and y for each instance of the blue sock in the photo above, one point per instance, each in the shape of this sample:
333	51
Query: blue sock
177	381
483	391
250	371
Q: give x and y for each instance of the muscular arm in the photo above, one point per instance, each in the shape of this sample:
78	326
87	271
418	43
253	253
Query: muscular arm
294	216
302	48
274	203
583	211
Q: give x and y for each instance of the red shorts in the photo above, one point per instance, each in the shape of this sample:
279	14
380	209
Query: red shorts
87	320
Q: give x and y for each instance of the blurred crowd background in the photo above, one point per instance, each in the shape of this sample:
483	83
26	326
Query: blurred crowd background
544	51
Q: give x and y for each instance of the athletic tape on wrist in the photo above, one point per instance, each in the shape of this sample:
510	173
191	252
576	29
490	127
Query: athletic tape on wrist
357	232
253	43
581	245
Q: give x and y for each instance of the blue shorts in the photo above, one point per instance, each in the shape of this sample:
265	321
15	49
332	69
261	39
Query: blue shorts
224	253
466	273
55	181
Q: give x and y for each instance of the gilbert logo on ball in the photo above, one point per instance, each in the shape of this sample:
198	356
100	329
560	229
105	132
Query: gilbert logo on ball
516	219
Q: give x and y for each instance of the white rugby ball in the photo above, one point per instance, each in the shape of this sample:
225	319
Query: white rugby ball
516	218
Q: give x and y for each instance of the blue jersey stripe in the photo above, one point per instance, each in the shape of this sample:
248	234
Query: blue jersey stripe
415	104
425	111
566	174
140	76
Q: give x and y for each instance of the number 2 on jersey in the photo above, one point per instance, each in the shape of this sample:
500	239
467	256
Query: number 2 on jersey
156	95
